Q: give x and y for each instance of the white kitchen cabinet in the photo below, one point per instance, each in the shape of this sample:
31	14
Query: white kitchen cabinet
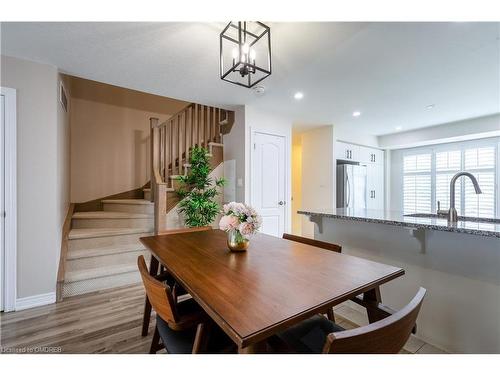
375	186
370	155
347	151
360	154
378	156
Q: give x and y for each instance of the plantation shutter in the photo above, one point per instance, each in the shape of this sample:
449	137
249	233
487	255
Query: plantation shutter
481	163
447	165
417	193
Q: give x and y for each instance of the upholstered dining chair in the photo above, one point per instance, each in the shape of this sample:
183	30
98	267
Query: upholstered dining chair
322	245
162	275
183	327
320	335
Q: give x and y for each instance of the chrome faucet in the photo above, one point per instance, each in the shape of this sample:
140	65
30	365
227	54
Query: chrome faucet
452	212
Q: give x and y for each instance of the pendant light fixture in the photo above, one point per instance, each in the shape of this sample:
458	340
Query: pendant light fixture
245	53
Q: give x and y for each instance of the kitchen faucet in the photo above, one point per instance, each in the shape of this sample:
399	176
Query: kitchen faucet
452	212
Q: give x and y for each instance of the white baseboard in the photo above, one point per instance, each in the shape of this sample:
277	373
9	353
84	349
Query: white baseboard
34	301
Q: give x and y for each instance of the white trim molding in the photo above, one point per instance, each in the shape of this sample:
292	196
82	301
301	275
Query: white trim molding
35	301
10	276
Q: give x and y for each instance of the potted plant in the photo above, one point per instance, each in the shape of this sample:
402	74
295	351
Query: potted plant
198	191
240	221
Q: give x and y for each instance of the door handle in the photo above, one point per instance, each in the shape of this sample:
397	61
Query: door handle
281	203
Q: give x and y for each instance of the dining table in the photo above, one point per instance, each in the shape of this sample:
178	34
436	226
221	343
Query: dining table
276	283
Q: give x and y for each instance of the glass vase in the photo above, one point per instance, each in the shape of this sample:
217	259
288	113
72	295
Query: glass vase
236	241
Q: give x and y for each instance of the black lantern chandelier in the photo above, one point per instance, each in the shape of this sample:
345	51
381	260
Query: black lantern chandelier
245	53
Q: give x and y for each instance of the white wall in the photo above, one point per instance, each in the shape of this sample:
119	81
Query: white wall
258	120
481	127
42	173
357	136
234	149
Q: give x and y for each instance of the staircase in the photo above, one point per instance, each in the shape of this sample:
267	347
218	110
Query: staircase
103	245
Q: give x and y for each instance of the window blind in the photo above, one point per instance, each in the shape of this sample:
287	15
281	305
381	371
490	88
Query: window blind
447	164
481	163
417	193
427	176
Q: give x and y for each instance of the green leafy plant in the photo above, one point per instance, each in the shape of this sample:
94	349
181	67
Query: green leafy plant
198	191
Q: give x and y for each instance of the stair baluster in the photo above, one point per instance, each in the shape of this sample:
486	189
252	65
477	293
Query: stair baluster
171	141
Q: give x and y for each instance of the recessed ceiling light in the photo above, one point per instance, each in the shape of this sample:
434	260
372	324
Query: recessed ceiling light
356	114
398	128
298	95
430	106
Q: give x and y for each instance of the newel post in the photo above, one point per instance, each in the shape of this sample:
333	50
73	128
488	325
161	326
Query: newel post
155	152
160	218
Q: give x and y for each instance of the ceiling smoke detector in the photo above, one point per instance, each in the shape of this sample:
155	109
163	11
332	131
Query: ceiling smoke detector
259	90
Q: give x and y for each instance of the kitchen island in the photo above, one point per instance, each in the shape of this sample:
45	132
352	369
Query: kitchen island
488	227
458	263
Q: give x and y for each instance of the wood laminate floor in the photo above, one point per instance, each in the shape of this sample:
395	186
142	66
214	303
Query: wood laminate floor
110	322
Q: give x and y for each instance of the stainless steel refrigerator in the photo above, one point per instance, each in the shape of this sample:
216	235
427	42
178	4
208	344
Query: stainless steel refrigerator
351	186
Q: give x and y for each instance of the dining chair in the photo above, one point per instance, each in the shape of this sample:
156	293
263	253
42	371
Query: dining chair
316	243
182	327
161	274
322	245
320	335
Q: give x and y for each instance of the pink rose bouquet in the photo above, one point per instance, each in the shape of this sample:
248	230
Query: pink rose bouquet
240	217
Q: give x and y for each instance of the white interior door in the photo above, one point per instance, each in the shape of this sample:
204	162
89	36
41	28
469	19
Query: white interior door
268	182
2	200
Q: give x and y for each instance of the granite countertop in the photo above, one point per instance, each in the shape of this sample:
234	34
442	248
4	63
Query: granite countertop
475	226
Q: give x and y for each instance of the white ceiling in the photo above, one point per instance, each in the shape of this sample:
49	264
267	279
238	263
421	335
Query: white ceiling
388	71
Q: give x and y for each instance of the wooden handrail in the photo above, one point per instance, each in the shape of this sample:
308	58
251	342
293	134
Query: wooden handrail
164	123
170	144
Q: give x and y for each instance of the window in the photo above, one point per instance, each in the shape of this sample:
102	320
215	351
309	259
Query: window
427	175
448	163
417	183
481	163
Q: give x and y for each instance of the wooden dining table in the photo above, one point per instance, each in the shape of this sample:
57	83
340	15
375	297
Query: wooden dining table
273	285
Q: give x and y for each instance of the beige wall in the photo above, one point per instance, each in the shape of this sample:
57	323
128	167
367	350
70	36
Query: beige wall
318	177
110	137
109	149
63	151
41	141
296	184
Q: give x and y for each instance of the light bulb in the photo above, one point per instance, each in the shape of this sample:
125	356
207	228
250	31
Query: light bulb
245	48
235	53
252	54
